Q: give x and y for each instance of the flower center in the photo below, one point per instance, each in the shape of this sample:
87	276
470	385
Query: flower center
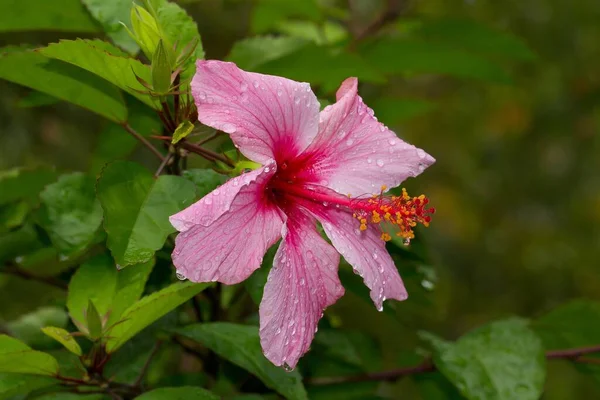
404	212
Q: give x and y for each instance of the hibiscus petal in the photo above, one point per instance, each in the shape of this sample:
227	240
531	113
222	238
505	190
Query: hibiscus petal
267	117
366	252
302	283
356	154
213	205
233	245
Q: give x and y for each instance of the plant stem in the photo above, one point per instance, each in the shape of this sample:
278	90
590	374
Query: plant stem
163	164
208	154
144	370
143	140
427	365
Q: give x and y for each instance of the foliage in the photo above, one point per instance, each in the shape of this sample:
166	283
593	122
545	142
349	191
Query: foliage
93	302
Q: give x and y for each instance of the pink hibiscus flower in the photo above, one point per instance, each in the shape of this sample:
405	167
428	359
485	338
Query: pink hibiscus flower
331	167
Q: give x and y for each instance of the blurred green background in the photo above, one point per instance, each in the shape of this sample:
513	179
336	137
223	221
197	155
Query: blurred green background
516	184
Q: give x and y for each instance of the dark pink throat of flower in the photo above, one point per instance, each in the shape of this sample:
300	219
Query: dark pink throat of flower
403	211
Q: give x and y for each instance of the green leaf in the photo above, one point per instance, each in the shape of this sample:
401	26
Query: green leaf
252	52
70	212
352	347
13	215
206	180
130	286
18	243
149	309
111	290
115	143
64	81
161	69
180	30
96	281
137	209
178	393
240	345
93	321
106	61
502	360
575	324
413	56
269	13
393	111
184	129
17	357
37	99
63	337
19	183
27	327
476	37
112	14
15	384
323	66
55	15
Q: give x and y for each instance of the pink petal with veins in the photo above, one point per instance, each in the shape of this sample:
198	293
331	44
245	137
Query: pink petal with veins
366	252
232	247
267	117
206	210
354	153
302	283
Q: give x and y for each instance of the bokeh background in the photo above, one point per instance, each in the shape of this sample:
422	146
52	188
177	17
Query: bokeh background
516	184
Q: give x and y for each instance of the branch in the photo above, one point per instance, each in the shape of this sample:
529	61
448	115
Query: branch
49	280
144	370
143	140
428	366
208	154
393	9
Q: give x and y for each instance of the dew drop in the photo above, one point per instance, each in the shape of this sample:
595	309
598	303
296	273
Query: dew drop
287	367
421	153
255	84
406	241
375	256
243	86
380	163
297	100
393	141
421	167
228	128
279	92
369	160
380	308
202	96
302	282
267	169
278	331
180	276
349	142
119	267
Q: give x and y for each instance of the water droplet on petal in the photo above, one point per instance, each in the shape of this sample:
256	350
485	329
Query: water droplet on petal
393	141
180	276
278	331
279	92
287	368
302	282
228	128
369	160
243	86
349	142
380	163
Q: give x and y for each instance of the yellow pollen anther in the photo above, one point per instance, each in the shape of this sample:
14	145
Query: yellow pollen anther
404	211
376	217
383	188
